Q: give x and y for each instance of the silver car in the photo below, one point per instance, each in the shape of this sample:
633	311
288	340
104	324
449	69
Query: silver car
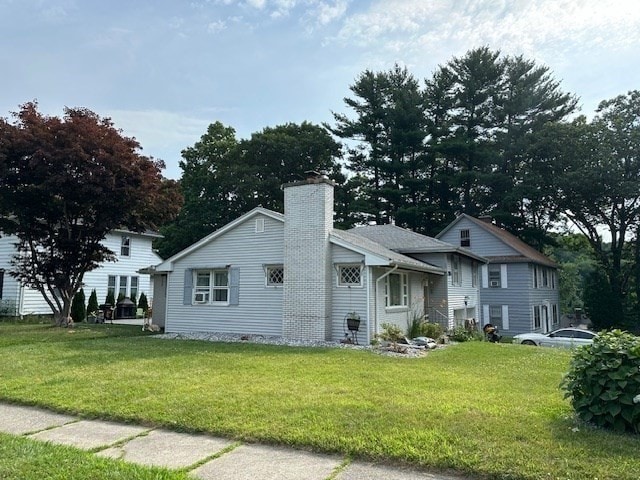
564	337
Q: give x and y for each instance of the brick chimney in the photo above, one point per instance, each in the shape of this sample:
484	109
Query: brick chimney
308	220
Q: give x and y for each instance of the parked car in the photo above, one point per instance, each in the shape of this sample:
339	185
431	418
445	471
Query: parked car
564	337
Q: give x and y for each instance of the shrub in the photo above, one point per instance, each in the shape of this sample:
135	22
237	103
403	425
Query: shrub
7	308
111	299
391	333
78	309
461	334
603	381
143	303
92	306
431	330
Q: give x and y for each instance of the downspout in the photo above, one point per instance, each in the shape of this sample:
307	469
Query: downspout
375	297
20	300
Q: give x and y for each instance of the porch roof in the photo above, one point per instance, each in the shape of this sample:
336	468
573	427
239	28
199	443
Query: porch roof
377	254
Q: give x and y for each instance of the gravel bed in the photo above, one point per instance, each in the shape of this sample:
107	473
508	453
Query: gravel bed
274	340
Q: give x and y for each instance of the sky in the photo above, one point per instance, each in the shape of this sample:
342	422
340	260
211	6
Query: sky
163	70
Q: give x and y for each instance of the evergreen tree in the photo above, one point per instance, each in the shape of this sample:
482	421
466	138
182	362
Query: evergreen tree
143	303
111	299
92	306
78	308
389	125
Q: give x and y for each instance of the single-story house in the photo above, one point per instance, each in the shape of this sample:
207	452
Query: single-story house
294	275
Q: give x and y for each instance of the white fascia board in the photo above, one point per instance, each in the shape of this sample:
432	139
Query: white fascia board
167	265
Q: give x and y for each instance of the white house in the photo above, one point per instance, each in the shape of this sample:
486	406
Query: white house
133	252
519	285
295	276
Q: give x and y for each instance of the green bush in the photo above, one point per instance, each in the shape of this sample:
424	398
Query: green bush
111	299
143	303
391	333
603	382
92	306
431	330
78	308
461	334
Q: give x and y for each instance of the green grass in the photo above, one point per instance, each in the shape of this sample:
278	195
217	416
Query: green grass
23	459
490	410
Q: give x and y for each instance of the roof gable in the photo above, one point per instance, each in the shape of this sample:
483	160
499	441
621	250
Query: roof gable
525	252
377	254
167	264
407	241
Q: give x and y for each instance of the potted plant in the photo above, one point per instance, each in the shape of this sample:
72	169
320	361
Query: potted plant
353	321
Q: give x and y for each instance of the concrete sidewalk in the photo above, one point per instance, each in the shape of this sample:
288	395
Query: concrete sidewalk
205	457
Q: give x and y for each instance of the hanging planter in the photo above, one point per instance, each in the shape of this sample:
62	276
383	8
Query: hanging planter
353	322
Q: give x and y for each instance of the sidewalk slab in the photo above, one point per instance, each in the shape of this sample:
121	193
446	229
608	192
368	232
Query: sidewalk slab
161	448
88	434
371	471
268	463
19	420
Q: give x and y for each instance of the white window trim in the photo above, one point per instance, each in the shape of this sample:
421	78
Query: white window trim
125	242
211	289
456	270
267	268
404	292
339	267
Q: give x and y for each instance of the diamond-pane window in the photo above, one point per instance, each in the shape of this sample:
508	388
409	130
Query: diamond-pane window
275	275
350	275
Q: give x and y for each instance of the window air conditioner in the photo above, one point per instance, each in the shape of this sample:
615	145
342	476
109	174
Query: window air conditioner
494	283
199	298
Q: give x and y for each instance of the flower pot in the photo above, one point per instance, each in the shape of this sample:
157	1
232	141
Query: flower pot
353	323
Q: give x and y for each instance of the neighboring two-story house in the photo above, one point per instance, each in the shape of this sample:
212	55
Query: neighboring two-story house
452	300
519	286
133	252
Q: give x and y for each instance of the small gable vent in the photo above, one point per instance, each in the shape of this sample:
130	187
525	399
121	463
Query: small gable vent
259	224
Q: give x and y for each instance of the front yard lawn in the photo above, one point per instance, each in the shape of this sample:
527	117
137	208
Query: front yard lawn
490	410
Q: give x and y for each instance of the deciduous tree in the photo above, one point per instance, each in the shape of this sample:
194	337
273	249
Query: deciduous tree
596	173
64	184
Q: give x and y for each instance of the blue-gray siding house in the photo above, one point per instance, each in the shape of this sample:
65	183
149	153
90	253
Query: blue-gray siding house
519	286
294	275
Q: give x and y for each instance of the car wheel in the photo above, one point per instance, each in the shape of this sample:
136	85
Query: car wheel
528	342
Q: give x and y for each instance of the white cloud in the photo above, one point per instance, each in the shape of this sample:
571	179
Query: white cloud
217	26
327	12
162	134
513	25
259	4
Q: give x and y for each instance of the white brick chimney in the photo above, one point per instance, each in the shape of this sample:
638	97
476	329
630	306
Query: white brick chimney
308	220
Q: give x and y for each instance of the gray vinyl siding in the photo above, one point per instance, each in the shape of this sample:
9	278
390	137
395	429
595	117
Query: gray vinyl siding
541	296
516	297
399	316
348	299
447	299
11	288
30	301
520	297
482	242
260	306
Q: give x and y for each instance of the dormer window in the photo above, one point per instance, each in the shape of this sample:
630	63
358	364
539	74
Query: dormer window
465	238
